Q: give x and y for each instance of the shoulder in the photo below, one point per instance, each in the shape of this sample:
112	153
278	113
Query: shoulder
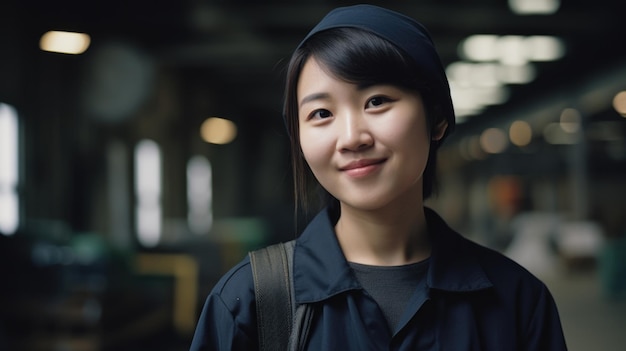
507	276
236	288
517	302
228	319
460	252
495	263
461	264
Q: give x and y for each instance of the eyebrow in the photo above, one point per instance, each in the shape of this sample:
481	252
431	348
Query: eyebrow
314	96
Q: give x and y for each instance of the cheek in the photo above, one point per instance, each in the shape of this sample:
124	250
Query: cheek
408	134
314	148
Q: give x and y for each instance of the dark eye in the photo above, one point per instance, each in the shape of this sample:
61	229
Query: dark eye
377	101
321	114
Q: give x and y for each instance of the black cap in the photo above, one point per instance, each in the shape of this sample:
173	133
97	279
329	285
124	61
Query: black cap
407	34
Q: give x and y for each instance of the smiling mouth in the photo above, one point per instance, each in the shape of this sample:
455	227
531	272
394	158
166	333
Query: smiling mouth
361	168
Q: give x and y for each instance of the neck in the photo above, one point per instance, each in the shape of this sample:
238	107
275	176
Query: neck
384	237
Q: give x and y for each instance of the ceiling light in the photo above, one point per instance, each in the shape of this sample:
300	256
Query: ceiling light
619	103
467	74
520	133
512	50
544	48
570	120
516	74
64	42
463	99
534	7
216	130
493	141
480	47
467	99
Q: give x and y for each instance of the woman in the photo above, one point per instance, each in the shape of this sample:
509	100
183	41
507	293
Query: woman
367	104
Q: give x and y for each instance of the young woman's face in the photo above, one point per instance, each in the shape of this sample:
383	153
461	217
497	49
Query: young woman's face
367	147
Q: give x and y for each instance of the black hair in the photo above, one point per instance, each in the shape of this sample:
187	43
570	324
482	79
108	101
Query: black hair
365	59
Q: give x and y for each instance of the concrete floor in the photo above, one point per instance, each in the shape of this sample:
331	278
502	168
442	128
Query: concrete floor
591	322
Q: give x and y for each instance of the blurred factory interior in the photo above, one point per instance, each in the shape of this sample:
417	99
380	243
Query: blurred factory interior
142	153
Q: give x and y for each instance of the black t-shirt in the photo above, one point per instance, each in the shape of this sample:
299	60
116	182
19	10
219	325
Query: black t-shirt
391	286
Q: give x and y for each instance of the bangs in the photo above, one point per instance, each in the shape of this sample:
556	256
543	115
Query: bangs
362	58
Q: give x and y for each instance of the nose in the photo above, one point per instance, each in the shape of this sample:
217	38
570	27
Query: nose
355	134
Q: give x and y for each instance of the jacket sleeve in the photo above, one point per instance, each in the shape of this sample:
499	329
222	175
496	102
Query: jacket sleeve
544	330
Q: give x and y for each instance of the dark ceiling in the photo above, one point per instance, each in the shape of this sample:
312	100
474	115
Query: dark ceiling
237	48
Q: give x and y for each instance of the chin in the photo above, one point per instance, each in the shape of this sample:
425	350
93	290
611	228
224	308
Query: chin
365	204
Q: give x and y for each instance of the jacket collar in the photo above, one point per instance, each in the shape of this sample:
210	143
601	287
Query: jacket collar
321	270
454	262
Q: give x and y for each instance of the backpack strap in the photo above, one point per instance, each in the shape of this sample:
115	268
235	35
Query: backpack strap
281	324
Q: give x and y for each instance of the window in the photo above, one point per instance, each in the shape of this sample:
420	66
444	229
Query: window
9	150
199	195
148	192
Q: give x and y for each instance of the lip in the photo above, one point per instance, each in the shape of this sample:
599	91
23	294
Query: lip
363	167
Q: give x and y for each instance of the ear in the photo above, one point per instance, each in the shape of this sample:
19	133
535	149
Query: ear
439	130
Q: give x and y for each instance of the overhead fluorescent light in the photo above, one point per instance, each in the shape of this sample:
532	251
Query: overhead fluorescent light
534	7
64	42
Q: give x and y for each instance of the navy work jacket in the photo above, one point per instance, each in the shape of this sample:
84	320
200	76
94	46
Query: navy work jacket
473	298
